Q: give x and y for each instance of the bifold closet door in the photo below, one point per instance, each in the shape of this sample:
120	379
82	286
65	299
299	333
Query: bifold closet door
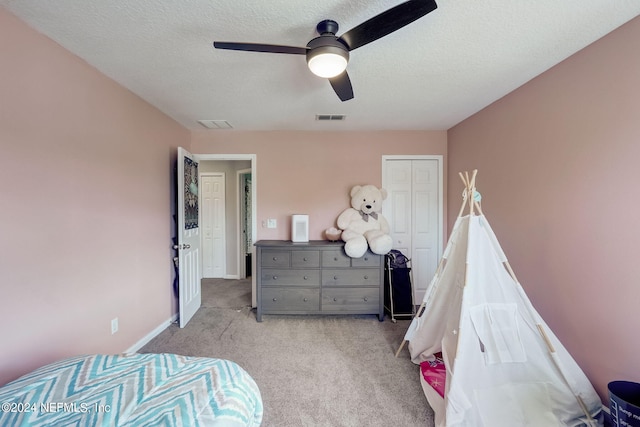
413	214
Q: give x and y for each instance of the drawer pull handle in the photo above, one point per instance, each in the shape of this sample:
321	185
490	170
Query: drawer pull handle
366	299
335	258
366	258
335	299
275	258
366	277
305	278
304	299
275	299
335	277
305	259
275	277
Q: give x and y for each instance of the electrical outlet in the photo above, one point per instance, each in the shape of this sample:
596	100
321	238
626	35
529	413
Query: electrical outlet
271	223
114	326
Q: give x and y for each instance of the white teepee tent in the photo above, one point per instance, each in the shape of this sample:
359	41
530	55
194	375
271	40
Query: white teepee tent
504	366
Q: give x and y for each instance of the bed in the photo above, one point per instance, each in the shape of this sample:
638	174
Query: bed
133	390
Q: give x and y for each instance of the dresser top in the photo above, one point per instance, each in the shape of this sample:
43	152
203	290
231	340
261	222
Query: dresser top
312	244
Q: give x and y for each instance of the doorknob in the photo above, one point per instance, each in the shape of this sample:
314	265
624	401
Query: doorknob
178	247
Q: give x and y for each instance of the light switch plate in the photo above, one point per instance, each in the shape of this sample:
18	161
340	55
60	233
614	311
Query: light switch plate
271	223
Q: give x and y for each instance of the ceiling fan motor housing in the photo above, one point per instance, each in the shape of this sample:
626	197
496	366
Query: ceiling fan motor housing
326	44
327	26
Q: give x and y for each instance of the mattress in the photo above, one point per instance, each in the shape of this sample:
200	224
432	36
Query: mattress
133	390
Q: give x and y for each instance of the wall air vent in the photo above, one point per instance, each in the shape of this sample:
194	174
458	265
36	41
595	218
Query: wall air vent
330	117
215	124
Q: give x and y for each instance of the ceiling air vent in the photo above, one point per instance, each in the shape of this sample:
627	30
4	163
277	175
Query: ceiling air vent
215	124
330	117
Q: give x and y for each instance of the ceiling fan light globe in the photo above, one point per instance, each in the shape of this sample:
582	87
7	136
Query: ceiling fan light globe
327	57
327	64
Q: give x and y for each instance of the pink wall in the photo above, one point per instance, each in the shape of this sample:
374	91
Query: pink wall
85	177
312	172
558	171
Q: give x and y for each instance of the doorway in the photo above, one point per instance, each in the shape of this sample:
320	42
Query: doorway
235	249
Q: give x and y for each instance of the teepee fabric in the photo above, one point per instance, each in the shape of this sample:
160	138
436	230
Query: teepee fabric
504	366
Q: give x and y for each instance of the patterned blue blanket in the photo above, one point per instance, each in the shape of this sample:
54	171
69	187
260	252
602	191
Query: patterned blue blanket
135	390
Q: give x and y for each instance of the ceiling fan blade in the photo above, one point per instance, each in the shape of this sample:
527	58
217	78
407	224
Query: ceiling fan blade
387	22
342	85
258	47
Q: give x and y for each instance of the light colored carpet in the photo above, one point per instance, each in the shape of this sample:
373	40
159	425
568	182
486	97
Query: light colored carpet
311	370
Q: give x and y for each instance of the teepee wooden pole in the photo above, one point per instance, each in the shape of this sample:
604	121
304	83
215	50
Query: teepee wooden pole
464	195
468	198
471	190
476	203
401	347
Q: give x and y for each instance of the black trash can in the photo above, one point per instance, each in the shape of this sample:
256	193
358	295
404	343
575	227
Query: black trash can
625	403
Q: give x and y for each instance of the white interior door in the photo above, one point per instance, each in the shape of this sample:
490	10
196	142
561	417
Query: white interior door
213	225
188	237
397	209
425	224
414	212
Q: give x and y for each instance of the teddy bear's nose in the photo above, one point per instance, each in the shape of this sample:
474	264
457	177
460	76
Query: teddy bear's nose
368	206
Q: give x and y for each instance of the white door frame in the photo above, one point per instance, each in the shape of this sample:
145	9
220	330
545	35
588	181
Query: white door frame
254	201
242	268
440	160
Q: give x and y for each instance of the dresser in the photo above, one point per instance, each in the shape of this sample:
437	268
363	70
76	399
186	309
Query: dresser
317	277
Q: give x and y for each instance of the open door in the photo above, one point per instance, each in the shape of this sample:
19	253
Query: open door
245	237
188	237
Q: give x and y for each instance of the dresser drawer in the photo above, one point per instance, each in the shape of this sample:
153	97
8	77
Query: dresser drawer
276	277
275	258
351	277
367	260
355	300
290	299
302	259
335	258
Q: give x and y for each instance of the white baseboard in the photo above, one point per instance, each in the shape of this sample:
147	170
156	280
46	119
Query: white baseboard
232	276
151	335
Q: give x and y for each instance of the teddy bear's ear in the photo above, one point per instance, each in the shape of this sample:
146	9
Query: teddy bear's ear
354	190
384	193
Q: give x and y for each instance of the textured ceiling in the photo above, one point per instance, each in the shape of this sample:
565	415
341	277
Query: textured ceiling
430	74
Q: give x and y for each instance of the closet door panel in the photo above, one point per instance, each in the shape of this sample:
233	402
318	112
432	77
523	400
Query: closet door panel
413	213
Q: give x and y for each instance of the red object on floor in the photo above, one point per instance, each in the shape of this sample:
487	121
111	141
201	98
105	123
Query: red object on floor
435	373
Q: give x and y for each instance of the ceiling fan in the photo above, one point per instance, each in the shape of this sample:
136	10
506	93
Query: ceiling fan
327	55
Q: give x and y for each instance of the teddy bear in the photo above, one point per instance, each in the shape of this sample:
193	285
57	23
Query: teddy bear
363	224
